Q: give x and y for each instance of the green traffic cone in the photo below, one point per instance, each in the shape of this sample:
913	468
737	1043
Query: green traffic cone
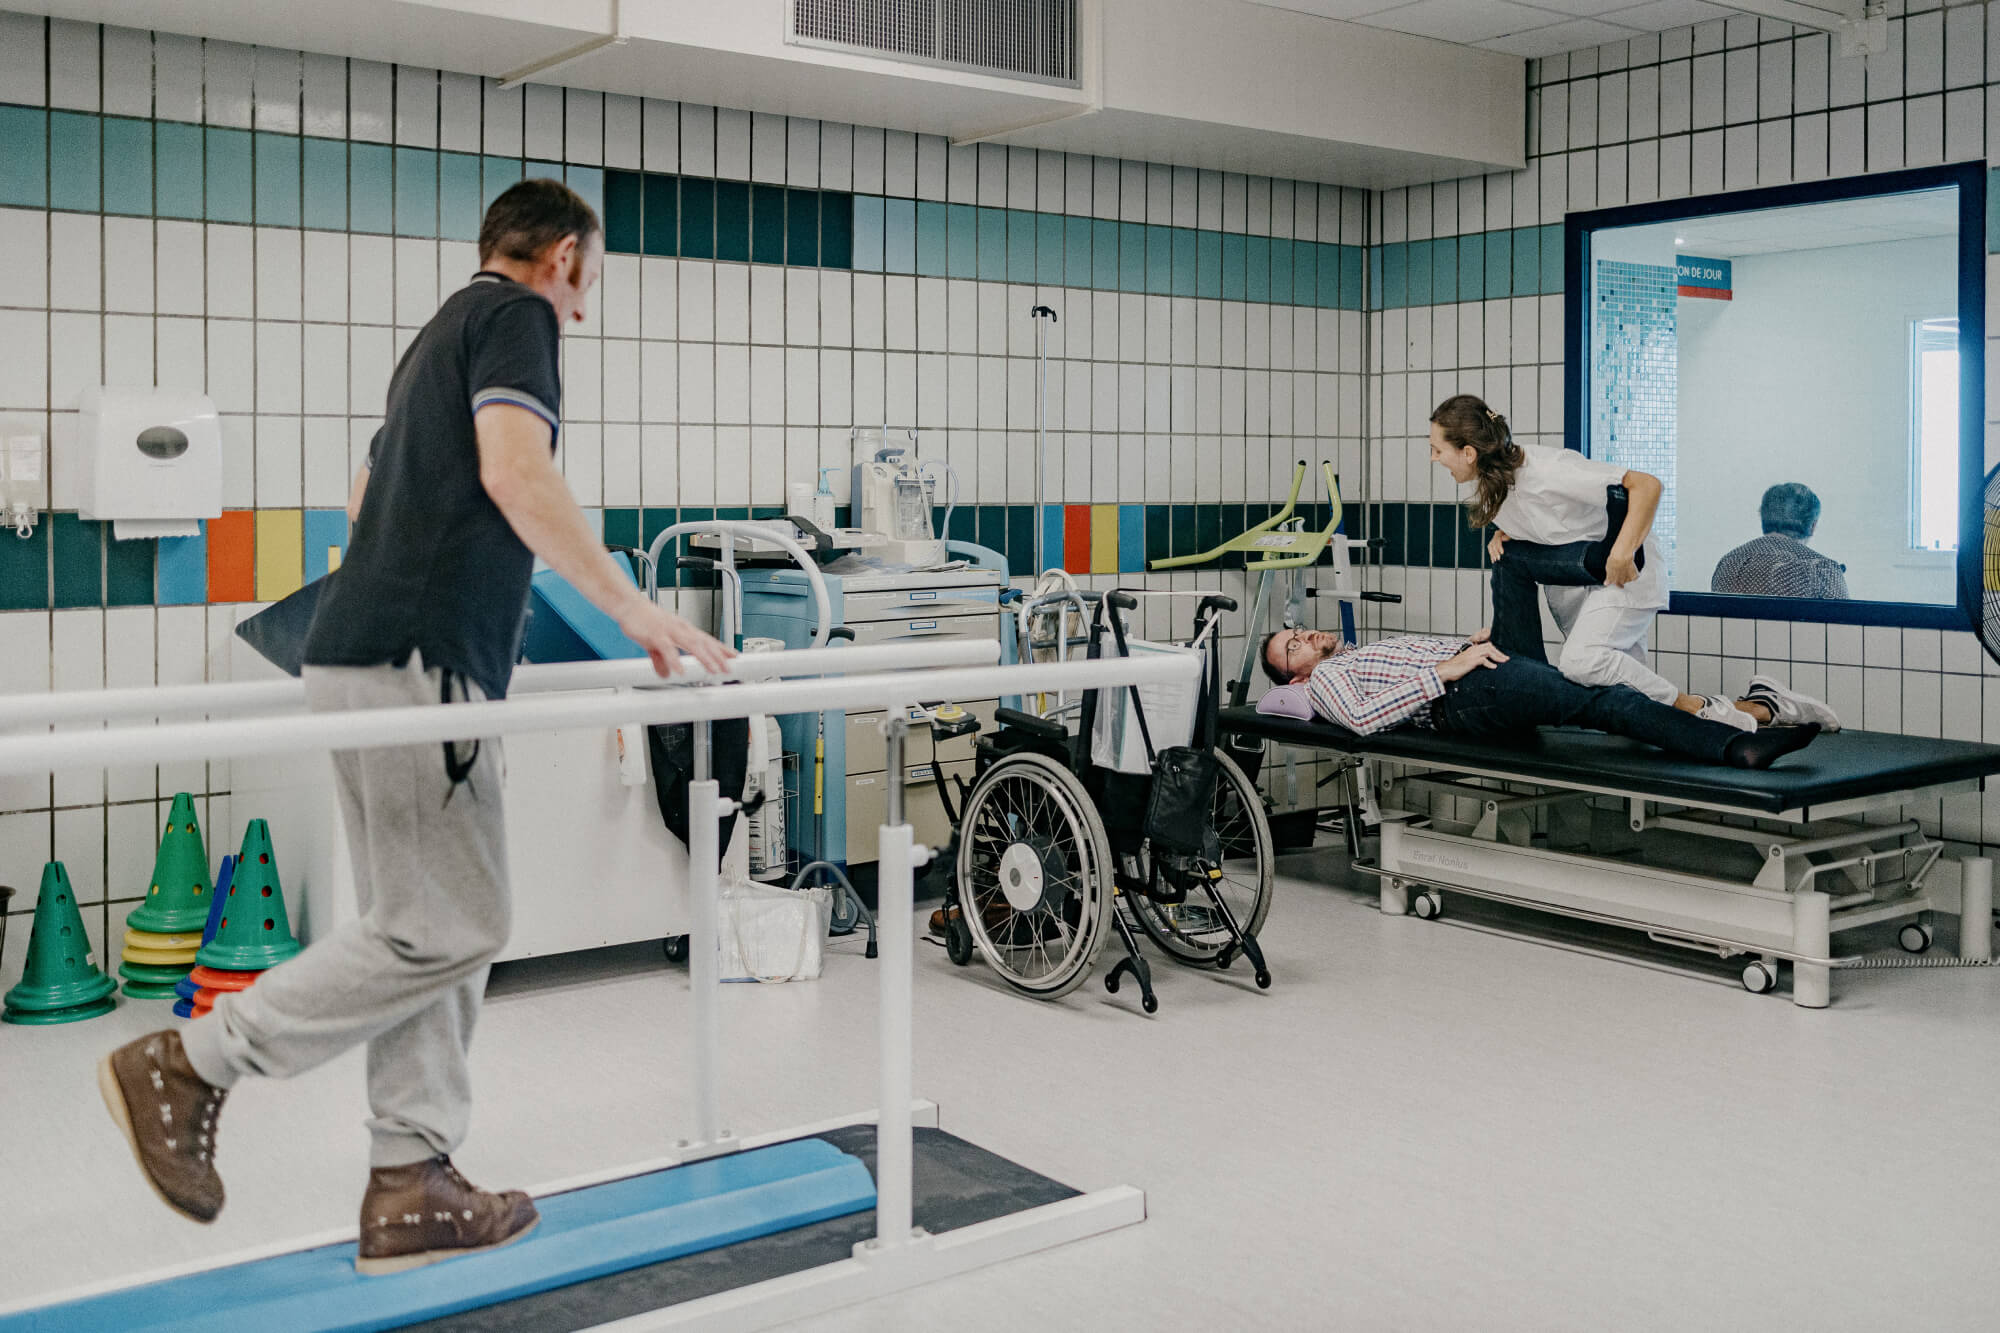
254	933
179	897
60	983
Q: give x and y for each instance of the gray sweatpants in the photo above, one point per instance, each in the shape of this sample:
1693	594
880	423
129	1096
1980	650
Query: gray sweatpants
407	977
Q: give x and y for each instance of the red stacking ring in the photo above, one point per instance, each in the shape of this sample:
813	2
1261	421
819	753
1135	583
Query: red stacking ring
214	979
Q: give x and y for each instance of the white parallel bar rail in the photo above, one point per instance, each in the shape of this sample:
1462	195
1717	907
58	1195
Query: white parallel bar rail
269	696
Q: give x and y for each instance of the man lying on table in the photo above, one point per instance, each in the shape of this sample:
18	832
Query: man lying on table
1467	687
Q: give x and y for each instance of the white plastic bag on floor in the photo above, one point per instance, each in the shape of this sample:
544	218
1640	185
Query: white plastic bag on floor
771	934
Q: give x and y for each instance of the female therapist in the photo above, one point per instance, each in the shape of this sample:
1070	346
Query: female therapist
1551	510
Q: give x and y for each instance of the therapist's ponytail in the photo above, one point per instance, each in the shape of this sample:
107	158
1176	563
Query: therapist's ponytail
1468	423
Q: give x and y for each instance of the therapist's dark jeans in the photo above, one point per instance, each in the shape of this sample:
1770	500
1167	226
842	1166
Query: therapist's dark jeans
1518	577
1517	696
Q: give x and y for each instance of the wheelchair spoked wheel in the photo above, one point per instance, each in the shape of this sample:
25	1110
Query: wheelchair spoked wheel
1190	931
1034	875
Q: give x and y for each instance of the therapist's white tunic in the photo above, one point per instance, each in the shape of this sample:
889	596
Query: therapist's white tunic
1558	497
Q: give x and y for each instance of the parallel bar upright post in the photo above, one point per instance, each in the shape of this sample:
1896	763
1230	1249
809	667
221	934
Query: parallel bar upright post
704	840
894	889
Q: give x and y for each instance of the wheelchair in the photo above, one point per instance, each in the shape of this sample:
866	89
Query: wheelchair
1050	857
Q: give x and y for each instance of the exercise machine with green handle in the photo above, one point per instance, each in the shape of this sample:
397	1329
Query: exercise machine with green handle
1283	544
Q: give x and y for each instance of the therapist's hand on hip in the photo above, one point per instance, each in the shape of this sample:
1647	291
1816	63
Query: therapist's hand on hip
1496	545
1619	568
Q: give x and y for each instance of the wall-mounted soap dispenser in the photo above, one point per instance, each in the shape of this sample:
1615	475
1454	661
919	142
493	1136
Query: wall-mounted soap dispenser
152	461
21	481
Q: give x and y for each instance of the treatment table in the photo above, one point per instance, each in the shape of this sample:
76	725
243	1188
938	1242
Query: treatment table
1768	866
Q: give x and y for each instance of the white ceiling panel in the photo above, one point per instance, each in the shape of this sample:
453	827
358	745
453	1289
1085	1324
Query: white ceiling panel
1660	15
1570	35
1468	21
1346	10
1603	9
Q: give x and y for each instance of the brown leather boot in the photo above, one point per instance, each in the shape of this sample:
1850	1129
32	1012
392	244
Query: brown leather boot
167	1113
426	1212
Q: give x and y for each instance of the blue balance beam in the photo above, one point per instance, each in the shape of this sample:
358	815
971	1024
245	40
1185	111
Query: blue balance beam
584	1233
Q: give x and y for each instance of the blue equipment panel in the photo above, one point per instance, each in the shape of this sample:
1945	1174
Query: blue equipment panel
583	1234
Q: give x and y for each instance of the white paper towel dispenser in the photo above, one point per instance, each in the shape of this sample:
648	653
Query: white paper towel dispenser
152	460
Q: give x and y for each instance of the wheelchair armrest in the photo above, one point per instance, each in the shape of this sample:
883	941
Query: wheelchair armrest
1028	722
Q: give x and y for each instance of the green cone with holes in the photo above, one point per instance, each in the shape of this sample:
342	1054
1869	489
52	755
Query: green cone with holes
254	932
61	982
179	893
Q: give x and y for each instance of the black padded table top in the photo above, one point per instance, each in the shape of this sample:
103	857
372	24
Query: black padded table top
1847	765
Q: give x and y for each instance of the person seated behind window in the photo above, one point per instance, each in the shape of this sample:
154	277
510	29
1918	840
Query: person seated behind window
1779	563
1467	687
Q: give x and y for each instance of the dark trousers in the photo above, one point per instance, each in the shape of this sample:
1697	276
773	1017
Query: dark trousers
1518	578
1519	695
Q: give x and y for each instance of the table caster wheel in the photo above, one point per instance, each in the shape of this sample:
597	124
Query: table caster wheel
1760	978
675	947
1263	981
1915	937
958	941
1427	905
1150	1004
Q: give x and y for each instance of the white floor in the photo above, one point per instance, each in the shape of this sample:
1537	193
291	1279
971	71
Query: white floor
1418	1128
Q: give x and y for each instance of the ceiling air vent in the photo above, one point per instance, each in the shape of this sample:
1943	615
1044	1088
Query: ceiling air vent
1025	39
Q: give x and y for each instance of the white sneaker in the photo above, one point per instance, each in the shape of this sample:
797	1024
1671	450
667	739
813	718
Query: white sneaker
1789	707
1718	709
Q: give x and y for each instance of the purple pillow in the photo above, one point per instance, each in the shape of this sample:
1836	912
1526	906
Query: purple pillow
1286	701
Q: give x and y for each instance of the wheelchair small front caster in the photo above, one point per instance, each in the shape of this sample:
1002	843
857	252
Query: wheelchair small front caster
1760	978
675	947
1915	937
1428	905
958	941
1150	1004
1263	981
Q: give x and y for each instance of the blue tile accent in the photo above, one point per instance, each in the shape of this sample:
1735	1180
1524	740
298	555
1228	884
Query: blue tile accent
933	245
1020	245
177	169
1326	289
1235	251
326	528
1305	273
1527	265
459	212
24	156
1076	252
416	192
1552	259
371	196
1052	538
1208	264
323	169
540	170
1104	255
1185	280
1131	539
1131	257
183	569
1159	260
1417	273
278	180
75	168
229	184
588	182
1471	266
992	244
496	174
1499	263
868	233
1395	287
1444	270
802	229
899	236
1257	268
961	230
1281	269
1352	289
1050	249
128	166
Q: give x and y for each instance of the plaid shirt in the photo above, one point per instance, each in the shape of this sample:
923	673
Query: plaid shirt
1383	685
